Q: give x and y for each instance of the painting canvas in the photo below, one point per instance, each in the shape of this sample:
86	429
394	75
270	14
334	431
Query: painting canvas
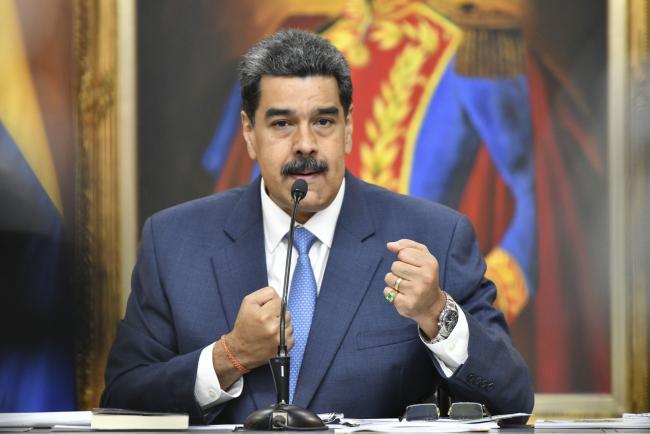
493	107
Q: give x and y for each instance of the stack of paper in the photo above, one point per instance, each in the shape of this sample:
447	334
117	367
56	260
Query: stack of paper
628	421
118	419
393	425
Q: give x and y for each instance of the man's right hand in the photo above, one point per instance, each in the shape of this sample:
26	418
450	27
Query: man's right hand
255	337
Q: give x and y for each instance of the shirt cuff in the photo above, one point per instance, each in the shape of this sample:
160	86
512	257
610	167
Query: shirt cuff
207	389
452	352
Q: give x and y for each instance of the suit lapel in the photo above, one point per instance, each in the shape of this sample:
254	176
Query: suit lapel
240	268
351	265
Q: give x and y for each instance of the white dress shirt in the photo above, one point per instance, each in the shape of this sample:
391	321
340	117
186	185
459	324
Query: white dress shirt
450	353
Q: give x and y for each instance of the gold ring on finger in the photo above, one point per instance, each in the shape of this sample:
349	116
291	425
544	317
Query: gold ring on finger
397	283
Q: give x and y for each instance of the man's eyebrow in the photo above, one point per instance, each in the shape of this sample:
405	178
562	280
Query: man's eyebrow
332	110
277	112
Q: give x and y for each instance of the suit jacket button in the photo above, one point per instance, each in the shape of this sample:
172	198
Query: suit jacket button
490	385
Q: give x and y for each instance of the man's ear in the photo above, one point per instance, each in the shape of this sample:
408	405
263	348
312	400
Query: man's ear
348	131
249	135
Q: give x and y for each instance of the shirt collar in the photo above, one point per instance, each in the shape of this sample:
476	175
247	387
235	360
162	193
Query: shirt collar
276	221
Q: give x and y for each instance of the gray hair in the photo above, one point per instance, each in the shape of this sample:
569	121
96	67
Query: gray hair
292	53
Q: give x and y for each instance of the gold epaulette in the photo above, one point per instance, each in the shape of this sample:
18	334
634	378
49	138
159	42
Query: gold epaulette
493	43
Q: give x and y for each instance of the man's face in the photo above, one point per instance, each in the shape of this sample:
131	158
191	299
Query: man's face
300	120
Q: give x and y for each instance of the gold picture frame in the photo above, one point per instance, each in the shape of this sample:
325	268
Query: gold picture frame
106	199
105	206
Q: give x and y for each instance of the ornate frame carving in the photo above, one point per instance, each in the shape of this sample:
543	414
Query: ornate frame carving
96	219
638	206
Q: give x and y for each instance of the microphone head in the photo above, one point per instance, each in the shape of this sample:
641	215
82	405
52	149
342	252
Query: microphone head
299	189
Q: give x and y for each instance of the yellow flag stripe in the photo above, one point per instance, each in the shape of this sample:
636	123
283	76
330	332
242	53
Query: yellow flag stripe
19	108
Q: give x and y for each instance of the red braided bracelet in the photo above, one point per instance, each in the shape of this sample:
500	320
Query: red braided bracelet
231	357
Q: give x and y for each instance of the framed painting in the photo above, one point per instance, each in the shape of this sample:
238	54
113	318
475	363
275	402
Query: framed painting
517	113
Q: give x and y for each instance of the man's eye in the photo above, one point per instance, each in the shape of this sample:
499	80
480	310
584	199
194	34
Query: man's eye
280	124
324	122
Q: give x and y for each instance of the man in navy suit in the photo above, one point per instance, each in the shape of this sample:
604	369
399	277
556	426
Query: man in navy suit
401	304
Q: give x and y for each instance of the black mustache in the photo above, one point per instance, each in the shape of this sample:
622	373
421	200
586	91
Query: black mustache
304	165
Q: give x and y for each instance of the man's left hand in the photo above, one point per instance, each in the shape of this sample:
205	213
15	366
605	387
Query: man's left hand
418	295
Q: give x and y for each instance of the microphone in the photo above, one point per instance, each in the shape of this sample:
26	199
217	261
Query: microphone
298	193
282	416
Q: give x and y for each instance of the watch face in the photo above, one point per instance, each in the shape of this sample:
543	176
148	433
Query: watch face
450	320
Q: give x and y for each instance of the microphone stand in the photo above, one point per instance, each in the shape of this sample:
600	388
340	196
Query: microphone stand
283	416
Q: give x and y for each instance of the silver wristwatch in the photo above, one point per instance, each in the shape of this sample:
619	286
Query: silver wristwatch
447	320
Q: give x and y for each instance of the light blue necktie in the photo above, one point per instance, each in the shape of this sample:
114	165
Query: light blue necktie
302	300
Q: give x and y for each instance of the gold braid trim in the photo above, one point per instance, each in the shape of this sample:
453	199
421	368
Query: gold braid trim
491	53
386	130
389	109
348	33
512	290
389	25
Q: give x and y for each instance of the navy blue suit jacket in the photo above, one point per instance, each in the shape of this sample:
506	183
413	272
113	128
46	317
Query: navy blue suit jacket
197	261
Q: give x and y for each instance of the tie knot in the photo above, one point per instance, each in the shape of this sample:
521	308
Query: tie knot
303	239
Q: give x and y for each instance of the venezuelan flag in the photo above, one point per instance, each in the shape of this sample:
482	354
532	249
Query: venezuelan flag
36	369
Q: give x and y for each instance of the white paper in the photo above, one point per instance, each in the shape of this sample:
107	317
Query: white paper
393	425
68	428
636	416
229	428
48	419
633	422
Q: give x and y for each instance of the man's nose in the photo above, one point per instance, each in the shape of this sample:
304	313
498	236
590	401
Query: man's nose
305	141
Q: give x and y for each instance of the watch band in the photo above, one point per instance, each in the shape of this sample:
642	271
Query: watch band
447	320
